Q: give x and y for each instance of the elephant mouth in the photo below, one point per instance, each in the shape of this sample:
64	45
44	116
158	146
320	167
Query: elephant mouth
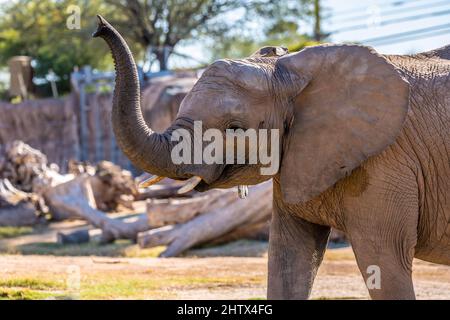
233	175
225	180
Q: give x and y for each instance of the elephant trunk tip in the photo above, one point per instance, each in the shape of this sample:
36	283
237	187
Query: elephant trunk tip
103	25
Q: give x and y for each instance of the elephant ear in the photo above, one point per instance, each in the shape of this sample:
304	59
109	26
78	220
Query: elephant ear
349	103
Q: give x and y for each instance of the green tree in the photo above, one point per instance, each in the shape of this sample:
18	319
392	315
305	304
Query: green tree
38	29
159	25
284	23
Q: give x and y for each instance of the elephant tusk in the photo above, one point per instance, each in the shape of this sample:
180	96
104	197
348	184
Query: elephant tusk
191	183
150	181
242	191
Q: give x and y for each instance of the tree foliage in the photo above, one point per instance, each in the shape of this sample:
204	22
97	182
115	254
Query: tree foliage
160	25
280	23
38	29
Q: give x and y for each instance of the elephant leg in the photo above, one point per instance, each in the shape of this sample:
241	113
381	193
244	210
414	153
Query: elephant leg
296	249
386	271
383	239
381	223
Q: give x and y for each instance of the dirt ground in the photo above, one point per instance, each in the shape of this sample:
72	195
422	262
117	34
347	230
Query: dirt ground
33	266
199	275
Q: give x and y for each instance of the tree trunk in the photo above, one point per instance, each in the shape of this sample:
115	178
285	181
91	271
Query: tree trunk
162	55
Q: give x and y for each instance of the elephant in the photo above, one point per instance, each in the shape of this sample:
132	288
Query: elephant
364	148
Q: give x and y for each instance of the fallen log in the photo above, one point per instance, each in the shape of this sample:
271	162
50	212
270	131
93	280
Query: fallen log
27	168
10	195
76	237
162	212
212	225
112	185
20	215
17	208
75	199
250	231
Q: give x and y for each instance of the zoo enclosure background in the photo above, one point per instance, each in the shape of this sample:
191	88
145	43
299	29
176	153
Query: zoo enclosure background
54	126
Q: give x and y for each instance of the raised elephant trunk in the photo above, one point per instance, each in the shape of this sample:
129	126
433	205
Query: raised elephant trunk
147	150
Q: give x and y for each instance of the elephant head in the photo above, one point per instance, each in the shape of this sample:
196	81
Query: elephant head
334	107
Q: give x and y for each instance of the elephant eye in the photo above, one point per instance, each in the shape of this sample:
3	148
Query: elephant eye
234	128
235	125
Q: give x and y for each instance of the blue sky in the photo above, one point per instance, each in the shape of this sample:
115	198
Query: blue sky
372	7
374	13
342	13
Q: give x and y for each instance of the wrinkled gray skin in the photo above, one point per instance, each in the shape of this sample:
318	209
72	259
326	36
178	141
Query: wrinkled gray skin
365	149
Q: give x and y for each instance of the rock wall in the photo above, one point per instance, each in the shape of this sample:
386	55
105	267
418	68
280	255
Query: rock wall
49	125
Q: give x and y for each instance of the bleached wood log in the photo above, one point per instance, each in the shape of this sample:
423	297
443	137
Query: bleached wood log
27	168
17	208
250	231
75	198
163	212
20	215
112	186
10	194
207	227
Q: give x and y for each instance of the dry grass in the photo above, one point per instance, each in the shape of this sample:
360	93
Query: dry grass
120	278
123	248
11	232
189	277
34	267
